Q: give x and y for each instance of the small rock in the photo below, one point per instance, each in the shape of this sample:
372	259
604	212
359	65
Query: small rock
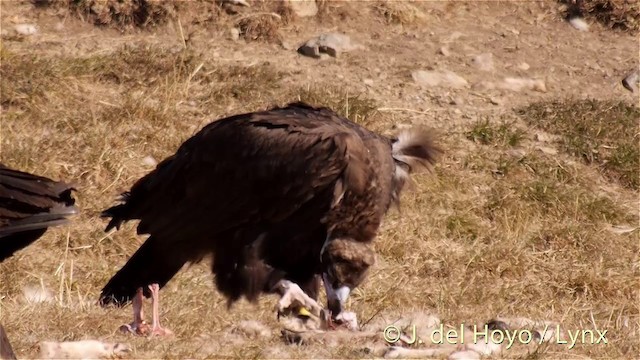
548	150
542	137
631	81
444	78
524	66
453	37
464	355
483	62
286	45
519	84
495	101
444	51
26	29
149	161
58	26
517	153
234	2
368	82
579	24
332	44
457	101
234	33
303	8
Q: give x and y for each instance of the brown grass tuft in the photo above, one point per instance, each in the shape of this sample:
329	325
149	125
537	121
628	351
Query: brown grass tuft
117	13
614	14
603	133
260	27
264	23
400	12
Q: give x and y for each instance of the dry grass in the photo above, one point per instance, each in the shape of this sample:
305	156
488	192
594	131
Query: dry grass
501	229
117	13
614	14
261	22
400	12
603	133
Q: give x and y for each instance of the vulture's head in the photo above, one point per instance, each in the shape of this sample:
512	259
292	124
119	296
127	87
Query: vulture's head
345	264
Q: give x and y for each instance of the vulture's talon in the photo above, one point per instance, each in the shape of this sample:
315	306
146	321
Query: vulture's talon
293	298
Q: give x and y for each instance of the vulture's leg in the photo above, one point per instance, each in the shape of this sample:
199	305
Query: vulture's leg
156	329
138	326
294	299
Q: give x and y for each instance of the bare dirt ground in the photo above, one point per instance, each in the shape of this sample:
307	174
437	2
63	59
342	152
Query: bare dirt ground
532	212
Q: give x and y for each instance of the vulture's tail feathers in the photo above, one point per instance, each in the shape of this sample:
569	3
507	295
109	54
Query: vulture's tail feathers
152	263
414	150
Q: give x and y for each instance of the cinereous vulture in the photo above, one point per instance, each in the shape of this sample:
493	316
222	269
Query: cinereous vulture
280	198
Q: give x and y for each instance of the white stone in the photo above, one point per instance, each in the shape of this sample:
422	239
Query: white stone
26	29
444	78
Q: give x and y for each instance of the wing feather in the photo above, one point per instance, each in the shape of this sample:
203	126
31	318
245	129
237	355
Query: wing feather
249	168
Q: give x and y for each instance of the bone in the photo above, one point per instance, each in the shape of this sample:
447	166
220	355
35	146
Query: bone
85	349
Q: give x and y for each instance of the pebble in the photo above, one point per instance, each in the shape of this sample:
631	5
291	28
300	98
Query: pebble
434	78
579	24
631	81
519	84
26	29
149	161
548	150
483	62
234	33
444	51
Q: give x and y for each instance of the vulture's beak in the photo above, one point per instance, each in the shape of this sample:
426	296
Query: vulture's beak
336	298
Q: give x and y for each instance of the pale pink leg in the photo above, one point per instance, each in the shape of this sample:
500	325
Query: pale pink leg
138	326
156	328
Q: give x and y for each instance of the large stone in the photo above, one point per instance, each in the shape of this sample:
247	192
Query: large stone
302	8
330	43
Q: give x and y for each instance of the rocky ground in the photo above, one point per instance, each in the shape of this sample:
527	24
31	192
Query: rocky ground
532	212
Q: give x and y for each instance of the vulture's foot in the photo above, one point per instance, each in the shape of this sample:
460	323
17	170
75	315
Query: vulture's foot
138	326
295	300
156	328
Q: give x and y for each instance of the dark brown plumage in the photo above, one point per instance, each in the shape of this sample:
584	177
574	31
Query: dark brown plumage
29	205
289	193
